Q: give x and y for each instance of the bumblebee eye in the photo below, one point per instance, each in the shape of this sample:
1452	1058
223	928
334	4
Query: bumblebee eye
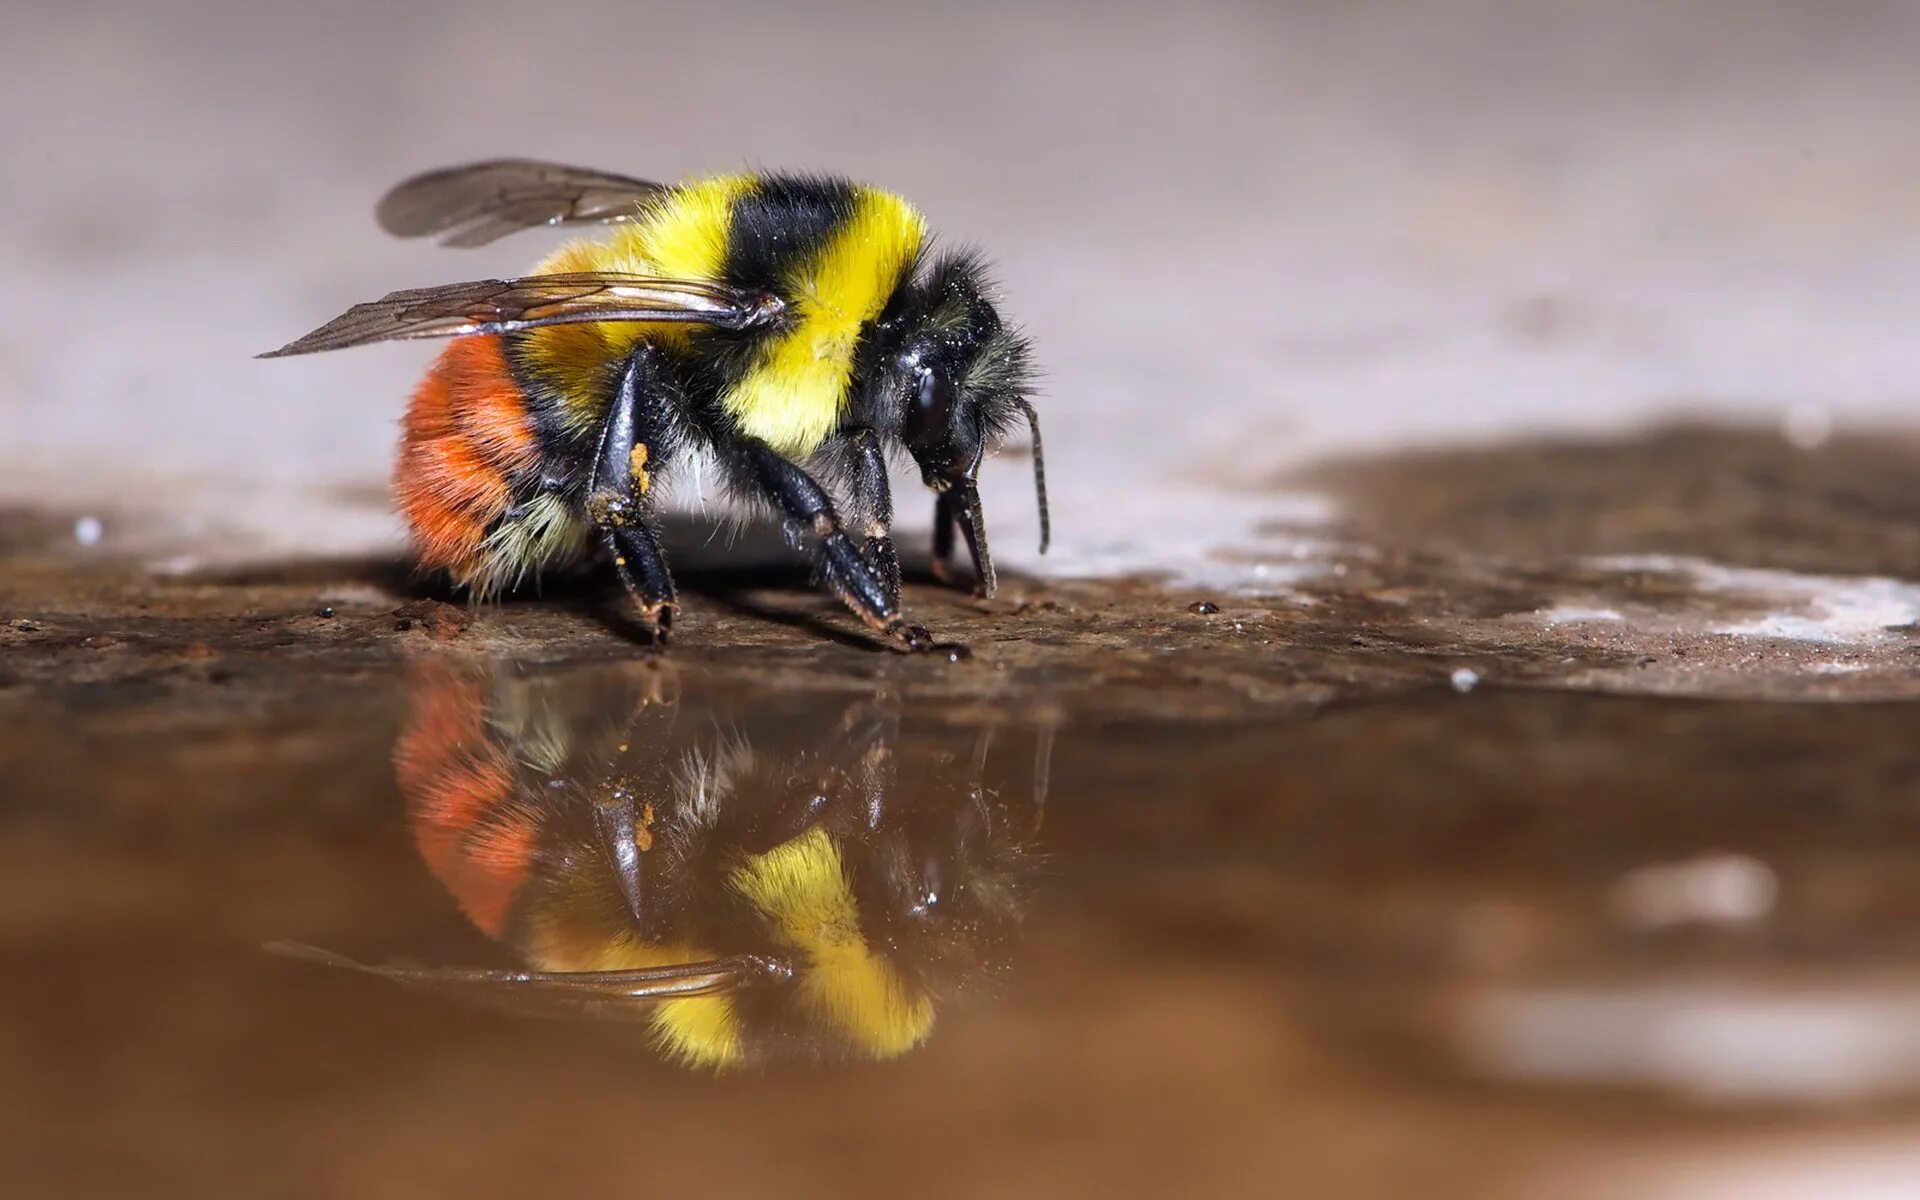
929	416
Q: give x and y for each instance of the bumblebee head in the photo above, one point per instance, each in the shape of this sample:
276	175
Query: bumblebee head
950	380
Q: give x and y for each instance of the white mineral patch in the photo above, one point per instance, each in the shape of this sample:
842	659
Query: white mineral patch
1573	615
1842	623
1192	534
177	564
1854	610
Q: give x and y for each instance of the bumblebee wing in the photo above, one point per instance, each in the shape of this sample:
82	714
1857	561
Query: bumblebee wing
602	995
505	305
480	202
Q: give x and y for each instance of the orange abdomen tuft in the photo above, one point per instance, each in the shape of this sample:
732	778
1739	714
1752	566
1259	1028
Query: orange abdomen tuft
467	433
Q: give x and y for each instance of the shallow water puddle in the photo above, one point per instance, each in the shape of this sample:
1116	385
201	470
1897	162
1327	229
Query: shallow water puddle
1195	947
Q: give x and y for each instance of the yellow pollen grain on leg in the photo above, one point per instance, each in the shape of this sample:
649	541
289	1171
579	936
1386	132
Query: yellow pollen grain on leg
637	463
643	831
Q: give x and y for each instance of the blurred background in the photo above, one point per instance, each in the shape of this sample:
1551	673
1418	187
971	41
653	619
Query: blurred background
1532	384
1242	235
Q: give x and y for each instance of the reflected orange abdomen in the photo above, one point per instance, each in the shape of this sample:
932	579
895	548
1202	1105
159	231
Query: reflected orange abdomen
475	837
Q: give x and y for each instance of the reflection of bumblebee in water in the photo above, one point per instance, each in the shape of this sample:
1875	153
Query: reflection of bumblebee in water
746	899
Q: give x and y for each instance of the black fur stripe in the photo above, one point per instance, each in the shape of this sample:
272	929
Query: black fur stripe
782	221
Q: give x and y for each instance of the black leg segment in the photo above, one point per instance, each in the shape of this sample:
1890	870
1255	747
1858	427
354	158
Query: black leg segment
948	518
945	522
873	504
810	514
623	803
636	434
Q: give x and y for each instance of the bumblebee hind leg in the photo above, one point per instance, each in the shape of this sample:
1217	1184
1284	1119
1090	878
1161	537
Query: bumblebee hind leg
617	493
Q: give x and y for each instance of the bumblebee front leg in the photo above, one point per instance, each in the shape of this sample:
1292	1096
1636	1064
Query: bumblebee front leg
946	520
617	491
809	511
873	500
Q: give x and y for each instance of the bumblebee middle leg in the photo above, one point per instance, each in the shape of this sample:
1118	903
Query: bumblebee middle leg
873	503
636	429
809	511
624	812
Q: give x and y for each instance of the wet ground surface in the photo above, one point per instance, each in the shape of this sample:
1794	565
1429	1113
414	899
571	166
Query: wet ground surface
1546	828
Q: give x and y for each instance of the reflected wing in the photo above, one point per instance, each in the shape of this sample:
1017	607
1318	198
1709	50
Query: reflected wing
505	305
602	995
477	203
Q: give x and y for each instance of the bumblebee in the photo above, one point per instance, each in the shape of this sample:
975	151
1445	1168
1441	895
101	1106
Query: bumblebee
793	896
791	325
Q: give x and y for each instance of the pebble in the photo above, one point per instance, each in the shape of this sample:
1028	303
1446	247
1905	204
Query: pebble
439	619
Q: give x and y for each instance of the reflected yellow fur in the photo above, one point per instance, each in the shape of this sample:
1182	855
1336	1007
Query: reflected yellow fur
698	1030
803	889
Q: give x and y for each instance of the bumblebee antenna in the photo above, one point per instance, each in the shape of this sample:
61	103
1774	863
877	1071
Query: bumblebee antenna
1039	473
974	527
